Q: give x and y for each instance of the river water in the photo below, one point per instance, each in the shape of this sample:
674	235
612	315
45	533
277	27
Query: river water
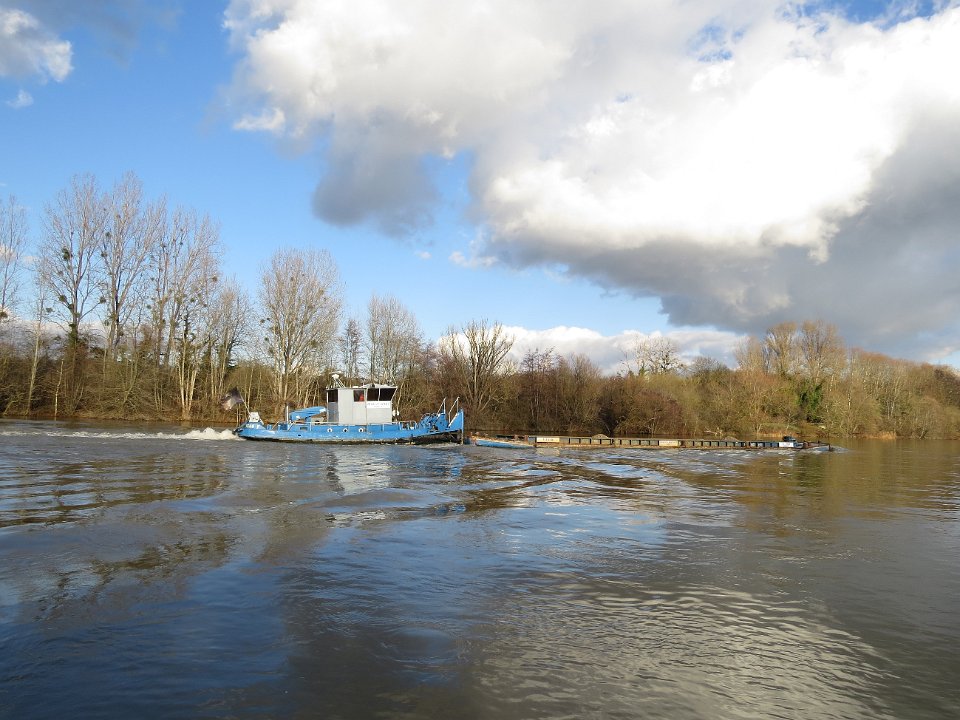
178	574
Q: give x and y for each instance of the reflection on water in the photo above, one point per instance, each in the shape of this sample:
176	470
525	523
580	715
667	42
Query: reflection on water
174	574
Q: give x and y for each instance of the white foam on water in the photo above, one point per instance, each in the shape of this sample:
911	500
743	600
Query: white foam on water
205	434
209	434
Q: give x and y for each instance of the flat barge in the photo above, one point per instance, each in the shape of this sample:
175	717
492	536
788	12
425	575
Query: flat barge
600	441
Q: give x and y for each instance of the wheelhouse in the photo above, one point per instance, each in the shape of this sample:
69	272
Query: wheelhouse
361	405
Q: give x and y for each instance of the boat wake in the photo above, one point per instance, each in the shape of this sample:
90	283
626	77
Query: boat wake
206	434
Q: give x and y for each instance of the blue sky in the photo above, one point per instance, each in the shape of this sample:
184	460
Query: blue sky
701	170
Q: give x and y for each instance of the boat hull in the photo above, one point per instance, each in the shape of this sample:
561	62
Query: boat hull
432	428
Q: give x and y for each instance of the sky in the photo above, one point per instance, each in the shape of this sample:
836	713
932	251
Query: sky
585	173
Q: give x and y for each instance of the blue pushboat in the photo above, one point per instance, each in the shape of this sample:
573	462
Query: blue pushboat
357	414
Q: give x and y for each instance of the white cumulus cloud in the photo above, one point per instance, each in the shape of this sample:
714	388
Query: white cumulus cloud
30	49
614	353
743	161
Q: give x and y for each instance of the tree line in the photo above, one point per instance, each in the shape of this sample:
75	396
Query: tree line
797	379
117	307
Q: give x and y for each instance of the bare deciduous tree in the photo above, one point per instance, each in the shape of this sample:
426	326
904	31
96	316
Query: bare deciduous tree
822	352
74	226
750	356
73	231
579	389
134	229
537	391
392	341
476	356
301	297
184	267
780	348
40	314
227	316
350	344
13	240
656	355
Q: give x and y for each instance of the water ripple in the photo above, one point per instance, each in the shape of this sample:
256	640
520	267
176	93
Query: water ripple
168	574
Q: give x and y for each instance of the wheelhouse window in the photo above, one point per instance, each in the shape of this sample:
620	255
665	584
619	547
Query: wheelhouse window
331	396
358	395
380	393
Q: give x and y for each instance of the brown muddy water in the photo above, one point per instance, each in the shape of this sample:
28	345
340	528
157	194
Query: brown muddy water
172	574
